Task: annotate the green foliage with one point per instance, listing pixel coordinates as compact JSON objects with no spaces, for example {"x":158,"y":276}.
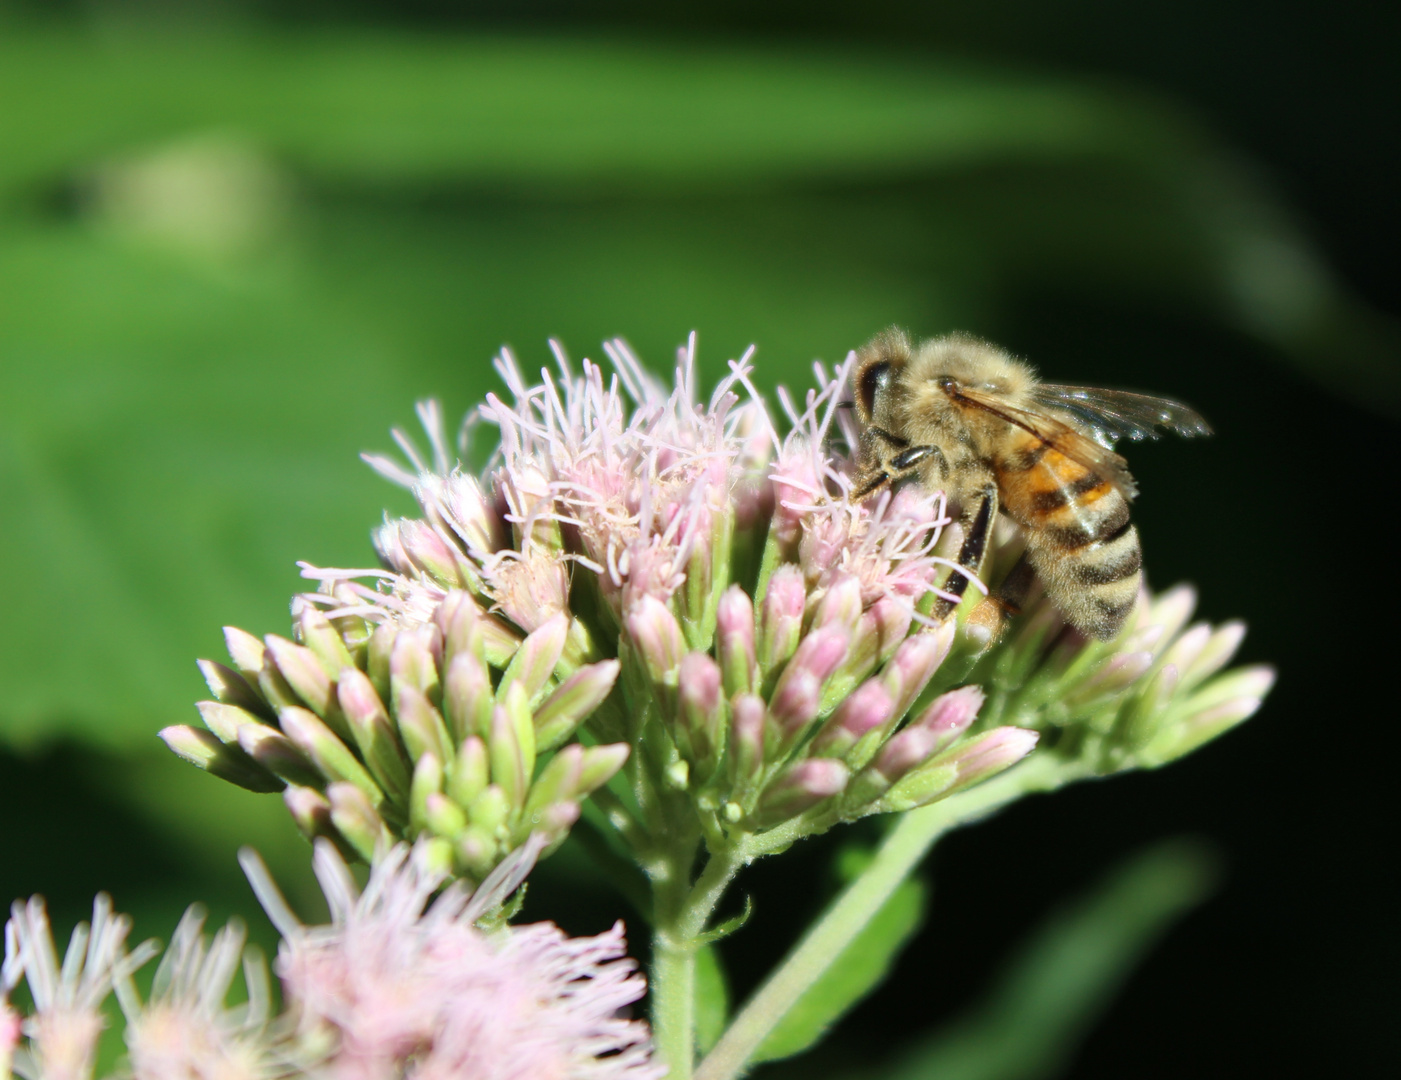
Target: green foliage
{"x":1060,"y":982}
{"x":857,"y":971}
{"x":712,"y":997}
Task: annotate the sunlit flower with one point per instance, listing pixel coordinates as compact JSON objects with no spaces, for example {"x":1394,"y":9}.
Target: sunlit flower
{"x":398,"y":986}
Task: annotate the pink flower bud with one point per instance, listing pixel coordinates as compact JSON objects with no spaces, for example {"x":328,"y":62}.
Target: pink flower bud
{"x":798,"y":694}
{"x":866,"y":709}
{"x":535,"y":660}
{"x":1216,"y":653}
{"x":912,"y":666}
{"x":749,"y":718}
{"x":656,"y":635}
{"x":799,"y":789}
{"x":781,"y":616}
{"x":990,"y":753}
{"x":840,"y":604}
{"x":700,"y":732}
{"x":575,"y":700}
{"x":951,"y":714}
{"x":734,"y":639}
{"x":905,"y":750}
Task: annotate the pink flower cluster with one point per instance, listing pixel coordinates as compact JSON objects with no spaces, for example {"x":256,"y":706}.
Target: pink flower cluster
{"x":763,"y":619}
{"x":395,"y":988}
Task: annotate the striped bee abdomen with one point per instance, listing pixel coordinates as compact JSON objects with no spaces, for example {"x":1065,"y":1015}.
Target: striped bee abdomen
{"x":1079,"y":539}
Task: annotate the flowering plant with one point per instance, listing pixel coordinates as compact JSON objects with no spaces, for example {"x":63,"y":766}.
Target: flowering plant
{"x":663,"y":625}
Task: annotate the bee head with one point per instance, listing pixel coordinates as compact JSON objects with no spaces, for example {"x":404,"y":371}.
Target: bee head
{"x":878,"y":366}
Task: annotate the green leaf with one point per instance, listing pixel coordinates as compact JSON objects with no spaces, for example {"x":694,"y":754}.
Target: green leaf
{"x":855,"y":973}
{"x":1061,"y":981}
{"x":712,"y":998}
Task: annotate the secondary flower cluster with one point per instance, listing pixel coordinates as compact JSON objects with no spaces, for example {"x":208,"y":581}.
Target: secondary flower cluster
{"x":395,"y":729}
{"x":393,"y":987}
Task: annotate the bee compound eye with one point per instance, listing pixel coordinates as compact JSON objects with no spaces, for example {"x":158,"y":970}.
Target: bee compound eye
{"x":873,"y":380}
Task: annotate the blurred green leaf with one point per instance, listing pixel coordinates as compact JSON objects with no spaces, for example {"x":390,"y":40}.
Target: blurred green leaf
{"x":855,"y":973}
{"x":712,"y":998}
{"x":1060,"y":983}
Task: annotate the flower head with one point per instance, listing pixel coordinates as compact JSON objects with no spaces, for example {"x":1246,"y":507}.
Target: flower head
{"x":704,"y":594}
{"x":61,"y":1035}
{"x":403,"y":985}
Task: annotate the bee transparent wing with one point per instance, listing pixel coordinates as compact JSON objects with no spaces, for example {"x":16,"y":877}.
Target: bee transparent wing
{"x":1059,"y":436}
{"x":1121,"y":414}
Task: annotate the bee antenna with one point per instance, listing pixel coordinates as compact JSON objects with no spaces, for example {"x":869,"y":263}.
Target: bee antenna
{"x":846,"y":404}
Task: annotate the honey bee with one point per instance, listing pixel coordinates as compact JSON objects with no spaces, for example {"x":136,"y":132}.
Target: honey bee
{"x":959,"y":415}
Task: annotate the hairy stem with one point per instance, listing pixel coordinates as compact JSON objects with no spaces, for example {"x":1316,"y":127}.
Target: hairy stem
{"x":682,"y":910}
{"x":900,"y":853}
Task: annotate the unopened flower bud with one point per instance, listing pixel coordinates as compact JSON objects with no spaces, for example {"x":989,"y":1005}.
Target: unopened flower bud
{"x":230,"y":763}
{"x":311,"y":811}
{"x":840,"y":604}
{"x":555,"y":822}
{"x":799,"y":789}
{"x":990,"y":753}
{"x":303,"y":672}
{"x":457,"y":617}
{"x":315,"y":632}
{"x":573,"y":702}
{"x":508,"y":770}
{"x":272,"y":750}
{"x":421,"y":726}
{"x":414,"y":662}
{"x":781,"y":616}
{"x":231,"y":688}
{"x":913,"y":664}
{"x":374,"y":733}
{"x":950,"y":715}
{"x":734,"y":634}
{"x":356,"y":820}
{"x":701,"y":729}
{"x":866,"y":709}
{"x":427,"y":780}
{"x":657,"y":637}
{"x":601,"y":764}
{"x":468,"y":696}
{"x":490,"y":810}
{"x":443,"y":816}
{"x":1121,"y":670}
{"x":748,"y":721}
{"x":330,"y":756}
{"x":1172,"y":609}
{"x":246,"y":651}
{"x":471,"y":772}
{"x":1215,"y":654}
{"x":557,"y":781}
{"x":798,"y":693}
{"x":537,"y":656}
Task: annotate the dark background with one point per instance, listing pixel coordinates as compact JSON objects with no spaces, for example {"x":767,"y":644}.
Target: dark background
{"x":1280,"y":519}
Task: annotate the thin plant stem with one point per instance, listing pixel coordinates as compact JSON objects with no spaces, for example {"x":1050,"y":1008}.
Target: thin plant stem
{"x":682,"y":912}
{"x":899,"y":854}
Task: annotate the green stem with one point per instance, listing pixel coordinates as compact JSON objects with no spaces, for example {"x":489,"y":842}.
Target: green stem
{"x":900,"y":853}
{"x":682,"y":912}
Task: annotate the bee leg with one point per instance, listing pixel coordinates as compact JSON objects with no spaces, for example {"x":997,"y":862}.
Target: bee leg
{"x":1016,"y":586}
{"x":870,"y":486}
{"x":908,"y":459}
{"x":978,"y":521}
